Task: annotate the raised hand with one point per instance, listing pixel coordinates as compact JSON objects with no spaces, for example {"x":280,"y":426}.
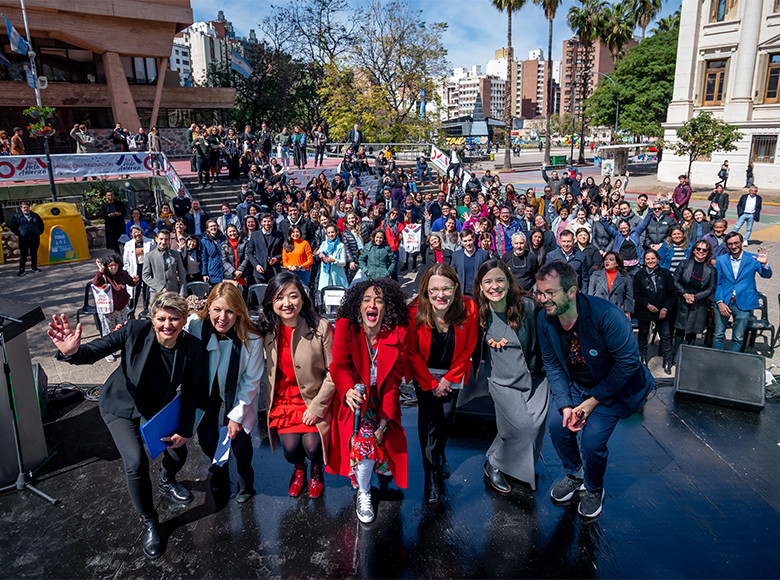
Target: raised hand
{"x":763,"y":255}
{"x":64,"y":338}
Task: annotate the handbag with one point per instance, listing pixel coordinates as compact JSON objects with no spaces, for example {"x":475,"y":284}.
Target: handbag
{"x":104,"y":299}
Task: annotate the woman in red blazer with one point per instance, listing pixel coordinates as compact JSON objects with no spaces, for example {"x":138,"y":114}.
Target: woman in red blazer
{"x":369,"y":348}
{"x":443,"y":329}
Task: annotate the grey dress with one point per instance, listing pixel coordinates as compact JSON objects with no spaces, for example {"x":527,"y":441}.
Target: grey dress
{"x":521,"y":396}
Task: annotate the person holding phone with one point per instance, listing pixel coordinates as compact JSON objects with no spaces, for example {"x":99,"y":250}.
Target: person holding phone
{"x":442,"y":336}
{"x":157,"y":359}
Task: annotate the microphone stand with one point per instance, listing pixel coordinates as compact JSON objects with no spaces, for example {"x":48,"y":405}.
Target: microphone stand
{"x":22,"y":482}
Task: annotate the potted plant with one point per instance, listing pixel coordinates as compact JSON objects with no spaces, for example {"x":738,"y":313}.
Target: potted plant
{"x":41,"y":128}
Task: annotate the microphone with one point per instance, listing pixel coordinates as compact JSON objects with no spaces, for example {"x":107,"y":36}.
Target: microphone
{"x":360,"y":388}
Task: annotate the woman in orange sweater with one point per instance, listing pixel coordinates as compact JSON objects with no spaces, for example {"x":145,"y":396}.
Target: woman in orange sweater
{"x":296,"y":254}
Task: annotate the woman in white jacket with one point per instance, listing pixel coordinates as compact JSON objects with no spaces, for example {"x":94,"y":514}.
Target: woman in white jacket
{"x":233,"y":348}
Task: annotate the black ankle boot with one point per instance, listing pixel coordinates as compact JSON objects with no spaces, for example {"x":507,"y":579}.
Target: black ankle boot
{"x":173,"y":489}
{"x":150,"y":537}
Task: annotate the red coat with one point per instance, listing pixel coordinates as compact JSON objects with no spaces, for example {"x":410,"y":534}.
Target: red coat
{"x":420,"y":348}
{"x":351,"y":365}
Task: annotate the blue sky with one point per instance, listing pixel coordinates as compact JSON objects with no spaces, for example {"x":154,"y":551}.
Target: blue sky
{"x":476,"y":29}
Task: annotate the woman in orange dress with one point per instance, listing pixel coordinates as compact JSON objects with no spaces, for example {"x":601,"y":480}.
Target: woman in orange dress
{"x":298,"y":346}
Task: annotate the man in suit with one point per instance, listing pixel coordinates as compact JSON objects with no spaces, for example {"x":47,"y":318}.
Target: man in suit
{"x":164,"y":269}
{"x":526,"y":222}
{"x":736,"y":293}
{"x":355,"y":138}
{"x":196,"y":220}
{"x":592,"y":363}
{"x":467,"y":260}
{"x":567,"y":252}
{"x":265,"y":250}
{"x":181,"y":204}
{"x":748,"y":211}
{"x":113,"y":213}
{"x":27,"y":226}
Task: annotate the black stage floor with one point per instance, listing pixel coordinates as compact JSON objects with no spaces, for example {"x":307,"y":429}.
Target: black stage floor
{"x":693,"y":491}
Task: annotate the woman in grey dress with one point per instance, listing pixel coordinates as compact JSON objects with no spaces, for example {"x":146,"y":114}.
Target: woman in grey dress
{"x":516,"y":378}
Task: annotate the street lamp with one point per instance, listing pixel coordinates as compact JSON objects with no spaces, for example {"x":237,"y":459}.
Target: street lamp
{"x":617,"y":101}
{"x":575,"y":55}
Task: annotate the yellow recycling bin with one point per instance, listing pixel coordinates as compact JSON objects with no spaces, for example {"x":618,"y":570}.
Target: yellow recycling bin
{"x":64,"y":237}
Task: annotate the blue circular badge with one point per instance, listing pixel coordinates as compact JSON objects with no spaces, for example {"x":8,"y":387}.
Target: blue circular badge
{"x":593,"y":352}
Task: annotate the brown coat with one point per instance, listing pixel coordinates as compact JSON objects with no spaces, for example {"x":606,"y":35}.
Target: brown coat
{"x":311,"y":355}
{"x":17,"y":145}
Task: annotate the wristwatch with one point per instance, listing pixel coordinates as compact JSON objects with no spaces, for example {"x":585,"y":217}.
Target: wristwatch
{"x":383,"y":428}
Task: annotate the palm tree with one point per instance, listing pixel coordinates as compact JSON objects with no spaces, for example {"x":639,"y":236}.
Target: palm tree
{"x":617,"y":28}
{"x":644,"y":11}
{"x":550,"y":7}
{"x":585,"y":21}
{"x":671,"y":22}
{"x":508,"y":6}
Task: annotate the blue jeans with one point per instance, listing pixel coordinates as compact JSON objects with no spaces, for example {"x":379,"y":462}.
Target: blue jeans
{"x":737,"y":329}
{"x":284,"y":156}
{"x":745,"y":218}
{"x":304,"y":275}
{"x":597,"y":431}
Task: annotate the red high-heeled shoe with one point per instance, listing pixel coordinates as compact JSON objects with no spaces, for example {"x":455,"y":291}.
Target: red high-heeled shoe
{"x":317,"y":482}
{"x":297,"y":480}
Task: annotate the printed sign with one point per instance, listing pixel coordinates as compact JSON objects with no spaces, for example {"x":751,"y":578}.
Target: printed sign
{"x":439,"y":158}
{"x":60,"y":248}
{"x":412,"y":236}
{"x":25,"y":167}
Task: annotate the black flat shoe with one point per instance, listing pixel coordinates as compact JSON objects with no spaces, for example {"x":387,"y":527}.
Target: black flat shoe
{"x":176,"y":491}
{"x":496,"y":478}
{"x":150,"y":538}
{"x":668,"y":368}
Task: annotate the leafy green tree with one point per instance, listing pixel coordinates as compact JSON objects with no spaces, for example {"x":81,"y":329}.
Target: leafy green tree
{"x":395,"y":58}
{"x":645,"y":81}
{"x":704,"y":135}
{"x":550,"y":7}
{"x":644,"y":11}
{"x":508,"y":6}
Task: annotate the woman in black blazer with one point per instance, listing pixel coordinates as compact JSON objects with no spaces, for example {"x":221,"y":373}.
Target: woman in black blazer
{"x":156,"y":358}
{"x":654,"y":298}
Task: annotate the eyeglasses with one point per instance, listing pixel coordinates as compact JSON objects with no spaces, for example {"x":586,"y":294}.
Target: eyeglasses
{"x":547,"y":294}
{"x":446,"y":291}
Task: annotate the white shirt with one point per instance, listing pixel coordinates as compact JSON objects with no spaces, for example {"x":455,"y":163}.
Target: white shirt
{"x":735,"y":263}
{"x":750,"y":204}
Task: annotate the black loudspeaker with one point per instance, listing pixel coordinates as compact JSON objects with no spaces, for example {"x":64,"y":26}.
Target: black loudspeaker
{"x":721,"y":377}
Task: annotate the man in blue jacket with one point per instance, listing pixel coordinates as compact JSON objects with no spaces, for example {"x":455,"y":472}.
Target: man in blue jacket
{"x":748,"y":211}
{"x":592,"y":363}
{"x":736,"y":293}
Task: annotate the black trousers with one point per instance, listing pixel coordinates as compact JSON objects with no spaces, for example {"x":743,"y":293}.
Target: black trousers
{"x":127,"y":437}
{"x":434,"y":417}
{"x":203,"y":170}
{"x":28,"y":246}
{"x":662,"y":327}
{"x":240,"y":447}
{"x":140,"y":294}
{"x":319,"y":152}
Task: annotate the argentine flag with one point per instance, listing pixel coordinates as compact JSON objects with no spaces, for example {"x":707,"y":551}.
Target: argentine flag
{"x":18,"y":44}
{"x":239,"y":64}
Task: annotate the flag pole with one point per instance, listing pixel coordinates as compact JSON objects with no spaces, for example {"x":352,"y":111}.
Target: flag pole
{"x":31,"y":56}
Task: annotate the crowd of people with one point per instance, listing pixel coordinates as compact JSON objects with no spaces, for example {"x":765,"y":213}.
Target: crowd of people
{"x":543,"y":288}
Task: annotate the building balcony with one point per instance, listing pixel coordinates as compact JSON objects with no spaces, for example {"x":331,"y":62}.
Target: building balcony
{"x":20,"y":95}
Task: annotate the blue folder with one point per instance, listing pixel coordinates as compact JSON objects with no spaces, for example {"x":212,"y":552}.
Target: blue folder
{"x":163,"y":424}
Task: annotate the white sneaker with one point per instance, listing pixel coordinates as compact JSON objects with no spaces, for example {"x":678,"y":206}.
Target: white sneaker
{"x":745,"y":244}
{"x":110,"y":358}
{"x":364,"y":507}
